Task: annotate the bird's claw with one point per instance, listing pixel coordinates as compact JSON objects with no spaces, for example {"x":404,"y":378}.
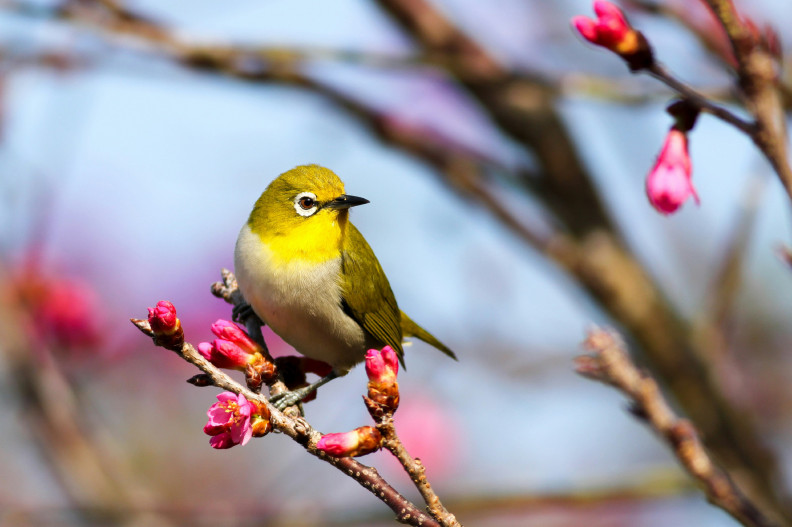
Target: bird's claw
{"x":286,"y":399}
{"x":241,"y":312}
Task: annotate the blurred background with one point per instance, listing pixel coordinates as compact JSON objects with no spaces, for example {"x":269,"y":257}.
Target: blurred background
{"x":135,"y":138}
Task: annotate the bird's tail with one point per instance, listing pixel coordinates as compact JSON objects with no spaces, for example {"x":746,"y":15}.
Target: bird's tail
{"x":411,"y":329}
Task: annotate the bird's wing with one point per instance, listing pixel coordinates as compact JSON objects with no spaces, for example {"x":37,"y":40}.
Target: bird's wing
{"x":366,"y":294}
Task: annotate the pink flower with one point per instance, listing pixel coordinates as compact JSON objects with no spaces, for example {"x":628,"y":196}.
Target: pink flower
{"x":357,"y":442}
{"x":669,"y":183}
{"x":68,"y":314}
{"x":382,"y":366}
{"x":610,"y":30}
{"x":225,"y":354}
{"x":230,"y":421}
{"x":231,"y":332}
{"x":162,"y":318}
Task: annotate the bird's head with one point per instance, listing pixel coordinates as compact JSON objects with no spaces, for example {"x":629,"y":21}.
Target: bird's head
{"x":307,"y":205}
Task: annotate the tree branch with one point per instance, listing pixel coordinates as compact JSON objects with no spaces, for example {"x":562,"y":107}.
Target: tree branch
{"x":610,"y":364}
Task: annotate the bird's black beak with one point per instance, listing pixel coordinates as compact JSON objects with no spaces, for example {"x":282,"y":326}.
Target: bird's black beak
{"x":344,"y":201}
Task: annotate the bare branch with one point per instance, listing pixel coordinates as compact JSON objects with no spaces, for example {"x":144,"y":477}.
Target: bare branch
{"x":610,"y":364}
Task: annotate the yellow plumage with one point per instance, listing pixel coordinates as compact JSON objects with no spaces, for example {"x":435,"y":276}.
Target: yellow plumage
{"x":310,"y":275}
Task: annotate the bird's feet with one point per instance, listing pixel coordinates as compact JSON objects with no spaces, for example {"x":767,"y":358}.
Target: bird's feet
{"x":240,"y":313}
{"x":285,"y":399}
{"x":292,"y":397}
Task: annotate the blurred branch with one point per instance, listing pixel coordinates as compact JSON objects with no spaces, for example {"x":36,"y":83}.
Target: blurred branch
{"x":758,"y":82}
{"x":610,"y":364}
{"x":93,"y":481}
{"x":662,"y":74}
{"x":728,"y":276}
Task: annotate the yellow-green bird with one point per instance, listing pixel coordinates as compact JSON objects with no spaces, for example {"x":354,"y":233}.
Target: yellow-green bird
{"x":309,"y":274}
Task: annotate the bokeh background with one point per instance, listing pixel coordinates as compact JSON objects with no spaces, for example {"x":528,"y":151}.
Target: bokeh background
{"x":126,"y":173}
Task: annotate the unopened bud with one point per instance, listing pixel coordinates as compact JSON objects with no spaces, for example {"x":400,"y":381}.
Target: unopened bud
{"x":165,"y":326}
{"x":231,"y":332}
{"x":358,"y":442}
{"x":382,"y":367}
{"x":669,"y":183}
{"x":612,"y":31}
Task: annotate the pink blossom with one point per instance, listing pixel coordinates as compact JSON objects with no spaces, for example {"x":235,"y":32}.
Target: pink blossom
{"x":357,"y":442}
{"x":382,"y":366}
{"x":610,"y":30}
{"x":230,"y":421}
{"x":225,"y":354}
{"x":231,"y":332}
{"x":162,"y":318}
{"x":69,"y":314}
{"x":669,"y":183}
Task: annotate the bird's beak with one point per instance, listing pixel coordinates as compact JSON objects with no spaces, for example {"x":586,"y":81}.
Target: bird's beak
{"x":344,"y":201}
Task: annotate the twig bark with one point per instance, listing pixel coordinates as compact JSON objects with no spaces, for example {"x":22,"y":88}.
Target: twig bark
{"x":610,"y":364}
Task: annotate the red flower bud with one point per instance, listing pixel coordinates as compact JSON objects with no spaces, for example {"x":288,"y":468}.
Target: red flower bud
{"x":162,"y":318}
{"x":382,"y":366}
{"x":225,"y":354}
{"x":612,"y":31}
{"x":231,"y":332}
{"x":669,"y":183}
{"x":358,"y":442}
{"x":164,"y":325}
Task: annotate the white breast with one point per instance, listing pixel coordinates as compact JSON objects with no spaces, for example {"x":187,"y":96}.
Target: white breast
{"x":301,"y":302}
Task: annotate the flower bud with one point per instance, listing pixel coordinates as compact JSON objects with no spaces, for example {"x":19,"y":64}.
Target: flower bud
{"x":231,"y":332}
{"x":612,"y":31}
{"x":260,"y":421}
{"x":162,"y":318}
{"x":669,"y":183}
{"x":224,"y":354}
{"x":382,"y":368}
{"x":358,"y":442}
{"x":165,"y":326}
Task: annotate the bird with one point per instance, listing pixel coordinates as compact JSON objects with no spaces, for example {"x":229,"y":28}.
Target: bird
{"x":309,"y":274}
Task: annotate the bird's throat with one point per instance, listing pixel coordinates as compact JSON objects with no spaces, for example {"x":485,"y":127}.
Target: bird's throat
{"x":314,"y":241}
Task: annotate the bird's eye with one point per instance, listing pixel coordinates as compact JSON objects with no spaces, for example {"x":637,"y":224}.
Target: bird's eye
{"x":306,"y":203}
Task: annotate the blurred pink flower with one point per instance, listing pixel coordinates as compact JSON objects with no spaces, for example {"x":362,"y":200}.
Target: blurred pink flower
{"x":669,"y":183}
{"x":610,"y":30}
{"x":431,"y":432}
{"x":64,"y":311}
{"x":230,"y":421}
{"x":358,"y":442}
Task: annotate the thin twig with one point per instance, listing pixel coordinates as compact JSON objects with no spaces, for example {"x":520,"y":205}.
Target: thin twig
{"x":661,"y":73}
{"x":416,"y":470}
{"x":610,"y":364}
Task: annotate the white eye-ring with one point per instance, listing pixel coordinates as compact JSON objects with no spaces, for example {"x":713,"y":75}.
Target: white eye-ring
{"x":305,"y":204}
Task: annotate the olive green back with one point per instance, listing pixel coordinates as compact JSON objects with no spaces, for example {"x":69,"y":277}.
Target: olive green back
{"x":366,"y":293}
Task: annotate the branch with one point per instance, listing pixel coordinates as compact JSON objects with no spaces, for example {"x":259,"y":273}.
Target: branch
{"x":662,"y":74}
{"x":610,"y":364}
{"x":758,"y":81}
{"x":300,"y":431}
